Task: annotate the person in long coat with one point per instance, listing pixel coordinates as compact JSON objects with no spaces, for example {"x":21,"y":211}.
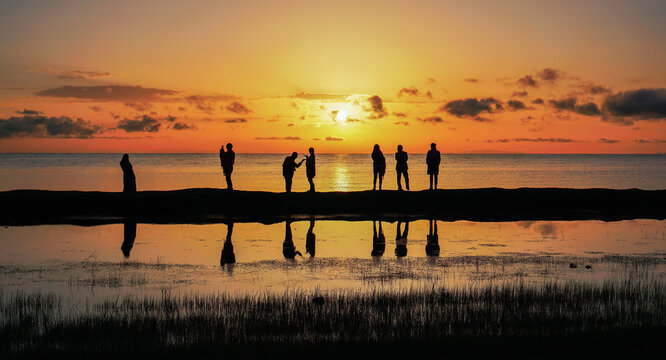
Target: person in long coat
{"x":129,"y":180}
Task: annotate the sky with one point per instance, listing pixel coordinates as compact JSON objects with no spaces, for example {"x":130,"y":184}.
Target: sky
{"x":281,"y":76}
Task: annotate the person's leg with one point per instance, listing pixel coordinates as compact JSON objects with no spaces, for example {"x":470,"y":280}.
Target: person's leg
{"x":399,"y":184}
{"x":431,"y":176}
{"x":375,"y":174}
{"x":381,"y":179}
{"x":436,"y":176}
{"x":406,"y":180}
{"x":229,"y":184}
{"x":287,"y":184}
{"x":312,"y":189}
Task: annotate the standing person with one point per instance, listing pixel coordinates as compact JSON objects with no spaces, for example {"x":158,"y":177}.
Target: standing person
{"x":228,"y":159}
{"x":129,"y":180}
{"x":401,"y":167}
{"x":288,"y":248}
{"x":432,"y":240}
{"x":378,"y":167}
{"x":433,"y":158}
{"x":289,"y":166}
{"x":310,"y":168}
{"x":401,"y":240}
{"x":378,"y":240}
{"x":310,"y":240}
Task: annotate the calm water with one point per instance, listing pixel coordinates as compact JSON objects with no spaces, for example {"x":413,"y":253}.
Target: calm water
{"x":341,"y":172}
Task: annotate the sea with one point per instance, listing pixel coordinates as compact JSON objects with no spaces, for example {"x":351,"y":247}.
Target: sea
{"x":335,"y":172}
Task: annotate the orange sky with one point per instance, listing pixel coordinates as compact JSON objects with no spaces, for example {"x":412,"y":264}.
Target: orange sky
{"x":281,"y":76}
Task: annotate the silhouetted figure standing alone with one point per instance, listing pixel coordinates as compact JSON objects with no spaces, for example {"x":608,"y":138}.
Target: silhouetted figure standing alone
{"x":432,"y":240}
{"x":310,"y":169}
{"x":288,"y":248}
{"x":289,"y":168}
{"x":378,"y":240}
{"x":129,"y":180}
{"x":378,"y":167}
{"x":227,"y":160}
{"x":401,"y":240}
{"x":401,"y":167}
{"x":228,"y":256}
{"x":129,"y":235}
{"x":433,"y":158}
{"x":310,"y":240}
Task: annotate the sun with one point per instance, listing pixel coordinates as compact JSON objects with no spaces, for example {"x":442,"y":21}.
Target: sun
{"x":341,"y":116}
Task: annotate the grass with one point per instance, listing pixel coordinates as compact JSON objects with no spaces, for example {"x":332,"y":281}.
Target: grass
{"x":502,"y":315}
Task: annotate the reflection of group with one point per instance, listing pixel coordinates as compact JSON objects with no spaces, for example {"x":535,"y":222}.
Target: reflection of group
{"x":289,"y":166}
{"x":289,"y":248}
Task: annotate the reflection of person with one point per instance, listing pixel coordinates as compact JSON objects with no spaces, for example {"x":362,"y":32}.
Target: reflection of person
{"x":129,"y":235}
{"x":378,"y":167}
{"x":228,"y":159}
{"x":288,"y":248}
{"x":378,"y":240}
{"x":401,"y":167}
{"x":310,"y":240}
{"x":433,"y":158}
{"x":401,"y":240}
{"x":432,"y":240}
{"x":129,"y":181}
{"x":228,"y":256}
{"x":289,"y":166}
{"x":310,"y":170}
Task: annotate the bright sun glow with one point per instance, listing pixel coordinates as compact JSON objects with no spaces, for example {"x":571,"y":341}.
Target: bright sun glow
{"x":341,"y":116}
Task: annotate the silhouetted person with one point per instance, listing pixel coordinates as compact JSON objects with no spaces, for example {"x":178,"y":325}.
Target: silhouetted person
{"x":129,"y":235}
{"x":288,"y":168}
{"x":378,"y":240}
{"x":433,"y":158}
{"x":401,"y":240}
{"x":432,"y":240}
{"x":310,"y":240}
{"x":228,"y":256}
{"x":228,"y":159}
{"x":378,"y":167}
{"x":401,"y":167}
{"x":310,"y":170}
{"x":288,"y":248}
{"x":129,"y":180}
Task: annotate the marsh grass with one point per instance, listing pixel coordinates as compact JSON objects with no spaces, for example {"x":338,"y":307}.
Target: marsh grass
{"x":420,"y":314}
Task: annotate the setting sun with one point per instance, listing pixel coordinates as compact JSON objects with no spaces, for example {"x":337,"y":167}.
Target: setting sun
{"x":342,"y":116}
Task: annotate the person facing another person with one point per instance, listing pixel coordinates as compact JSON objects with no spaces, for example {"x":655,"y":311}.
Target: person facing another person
{"x":289,"y":166}
{"x":433,"y":158}
{"x":401,"y":167}
{"x":378,"y":167}
{"x":129,"y":180}
{"x":227,"y":160}
{"x":310,"y":170}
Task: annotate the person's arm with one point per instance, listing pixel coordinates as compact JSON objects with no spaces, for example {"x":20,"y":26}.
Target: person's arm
{"x":299,"y":163}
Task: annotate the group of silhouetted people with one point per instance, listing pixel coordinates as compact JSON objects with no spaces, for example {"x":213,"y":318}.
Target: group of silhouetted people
{"x":289,"y":166}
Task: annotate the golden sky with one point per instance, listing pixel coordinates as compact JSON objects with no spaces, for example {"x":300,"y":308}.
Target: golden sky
{"x":281,"y":76}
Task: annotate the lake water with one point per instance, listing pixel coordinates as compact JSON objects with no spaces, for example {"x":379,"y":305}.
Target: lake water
{"x":335,"y":172}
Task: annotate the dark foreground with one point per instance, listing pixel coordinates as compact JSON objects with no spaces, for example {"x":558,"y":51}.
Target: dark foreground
{"x":211,"y":205}
{"x":570,"y":320}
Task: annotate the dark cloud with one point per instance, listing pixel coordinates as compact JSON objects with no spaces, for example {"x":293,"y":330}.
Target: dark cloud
{"x":516,"y":105}
{"x":43,"y":126}
{"x":333,"y":138}
{"x":549,"y":140}
{"x":472,"y":80}
{"x":377,"y":107}
{"x":399,"y":114}
{"x":308,"y":96}
{"x":76,"y":74}
{"x":143,"y":124}
{"x":537,"y":101}
{"x":170,"y":118}
{"x":207,"y":103}
{"x":182,"y":126}
{"x":570,"y":104}
{"x":403,"y":123}
{"x":528,"y":81}
{"x":519,"y":93}
{"x":238,"y":108}
{"x":411,"y":91}
{"x":316,"y":139}
{"x":290,"y":124}
{"x":431,"y":120}
{"x":550,"y":74}
{"x":608,"y":141}
{"x":471,"y":106}
{"x":120,"y":93}
{"x":352,"y":120}
{"x":27,"y":112}
{"x":291,"y":138}
{"x":653,"y":141}
{"x":428,"y":94}
{"x":96,"y":108}
{"x":482,"y":119}
{"x":235,"y":121}
{"x":139,"y":106}
{"x":641,"y":104}
{"x":430,"y":80}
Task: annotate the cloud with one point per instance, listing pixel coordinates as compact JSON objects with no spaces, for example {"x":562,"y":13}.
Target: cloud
{"x":96,"y":108}
{"x":528,"y":81}
{"x":516,"y":105}
{"x":519,"y":93}
{"x":608,"y":141}
{"x":27,"y":112}
{"x":549,"y":140}
{"x":120,"y":93}
{"x":308,"y":96}
{"x":550,"y":74}
{"x":238,"y":108}
{"x":471,"y":106}
{"x":472,"y":80}
{"x":139,"y":106}
{"x":653,"y":141}
{"x":430,"y":80}
{"x":183,"y":126}
{"x":76,"y":74}
{"x":570,"y":104}
{"x":628,"y":106}
{"x":412,"y":91}
{"x":291,"y":138}
{"x":482,"y":119}
{"x":400,"y":114}
{"x":537,"y":101}
{"x":42,"y":126}
{"x":333,"y":138}
{"x":206,"y":103}
{"x":431,"y":119}
{"x":235,"y":121}
{"x":403,"y":123}
{"x":143,"y":124}
{"x":377,"y":107}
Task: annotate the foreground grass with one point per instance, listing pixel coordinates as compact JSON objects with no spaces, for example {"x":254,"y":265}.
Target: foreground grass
{"x":611,"y":314}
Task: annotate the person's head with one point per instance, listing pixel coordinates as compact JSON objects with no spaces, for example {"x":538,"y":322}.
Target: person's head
{"x":375,"y":148}
{"x":294,"y":155}
{"x":125,"y":157}
{"x":399,"y":147}
{"x":311,"y":150}
{"x":229,"y":146}
{"x":433,"y":146}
